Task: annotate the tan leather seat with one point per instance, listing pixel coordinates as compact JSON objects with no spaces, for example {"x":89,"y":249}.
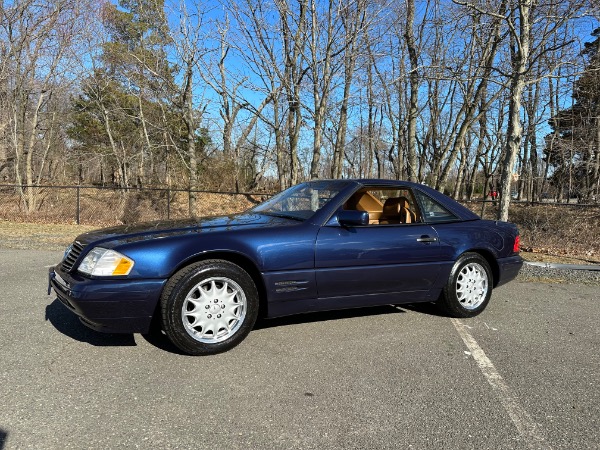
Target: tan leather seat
{"x":353,"y":202}
{"x":396,"y":210}
{"x":364,"y":201}
{"x":406,"y":205}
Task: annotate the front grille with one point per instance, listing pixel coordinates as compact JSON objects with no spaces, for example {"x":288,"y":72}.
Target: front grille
{"x":72,"y":255}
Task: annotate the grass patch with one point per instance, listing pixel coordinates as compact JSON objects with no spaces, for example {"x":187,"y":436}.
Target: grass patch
{"x":39,"y":236}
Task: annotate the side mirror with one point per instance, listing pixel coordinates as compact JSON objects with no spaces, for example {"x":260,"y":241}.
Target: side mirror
{"x":349,"y":218}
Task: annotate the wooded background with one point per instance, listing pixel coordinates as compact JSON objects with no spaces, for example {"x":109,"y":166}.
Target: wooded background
{"x":250,"y":95}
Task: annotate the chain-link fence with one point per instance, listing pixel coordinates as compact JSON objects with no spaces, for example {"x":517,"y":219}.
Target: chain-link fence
{"x":96,"y":205}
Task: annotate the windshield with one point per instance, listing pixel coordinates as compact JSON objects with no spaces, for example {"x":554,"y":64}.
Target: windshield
{"x":302,"y":201}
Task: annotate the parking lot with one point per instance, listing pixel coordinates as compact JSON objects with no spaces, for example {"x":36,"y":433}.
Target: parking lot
{"x":524,"y":374}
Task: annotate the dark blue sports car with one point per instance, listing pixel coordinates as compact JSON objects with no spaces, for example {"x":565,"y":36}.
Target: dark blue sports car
{"x":317,"y":246}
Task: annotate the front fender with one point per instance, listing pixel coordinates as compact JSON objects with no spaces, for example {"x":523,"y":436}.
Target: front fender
{"x":268,"y":250}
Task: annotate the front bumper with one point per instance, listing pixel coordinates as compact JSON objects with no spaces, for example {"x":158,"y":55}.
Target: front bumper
{"x":109,"y":305}
{"x":508,"y":269}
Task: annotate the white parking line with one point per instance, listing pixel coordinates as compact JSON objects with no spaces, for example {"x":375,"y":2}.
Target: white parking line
{"x":525,"y":425}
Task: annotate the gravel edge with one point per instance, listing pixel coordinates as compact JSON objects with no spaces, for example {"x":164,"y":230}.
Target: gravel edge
{"x":531,"y":272}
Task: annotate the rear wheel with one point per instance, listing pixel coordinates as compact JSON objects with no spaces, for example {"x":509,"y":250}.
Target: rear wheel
{"x":209,"y":307}
{"x":469,"y":286}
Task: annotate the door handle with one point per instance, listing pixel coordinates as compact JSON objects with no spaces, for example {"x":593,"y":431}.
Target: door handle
{"x":426,"y":238}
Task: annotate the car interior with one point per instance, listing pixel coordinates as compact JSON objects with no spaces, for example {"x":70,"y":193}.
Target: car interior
{"x":385,"y":206}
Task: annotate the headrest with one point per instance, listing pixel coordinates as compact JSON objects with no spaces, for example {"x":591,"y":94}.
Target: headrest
{"x":404,"y":202}
{"x":352,"y":202}
{"x":392,"y":206}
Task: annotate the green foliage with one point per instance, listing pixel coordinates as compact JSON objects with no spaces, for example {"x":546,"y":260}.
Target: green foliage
{"x":103,"y":100}
{"x":136,"y":53}
{"x":572,"y":147}
{"x":130,"y":110}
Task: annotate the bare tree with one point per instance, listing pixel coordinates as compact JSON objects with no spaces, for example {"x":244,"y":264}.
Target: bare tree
{"x":528,"y":22}
{"x":353,"y":22}
{"x":38,"y":52}
{"x":411,"y":46}
{"x":188,"y":40}
{"x":232,"y":90}
{"x":520,"y":60}
{"x":323,"y":48}
{"x":292,"y":89}
{"x":472,"y":84}
{"x":273,"y":52}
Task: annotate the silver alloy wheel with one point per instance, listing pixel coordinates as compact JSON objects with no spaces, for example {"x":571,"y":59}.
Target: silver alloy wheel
{"x":472,"y":286}
{"x":214,"y":310}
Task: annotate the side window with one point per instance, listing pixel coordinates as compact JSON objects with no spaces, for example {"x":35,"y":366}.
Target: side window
{"x":386,"y":206}
{"x":432,"y":211}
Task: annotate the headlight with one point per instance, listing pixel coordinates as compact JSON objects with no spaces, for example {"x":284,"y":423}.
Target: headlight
{"x":102,"y":262}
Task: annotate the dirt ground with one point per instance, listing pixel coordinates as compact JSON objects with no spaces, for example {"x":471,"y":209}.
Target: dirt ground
{"x":39,"y":236}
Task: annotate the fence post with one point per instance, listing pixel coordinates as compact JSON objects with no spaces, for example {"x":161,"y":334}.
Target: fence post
{"x":78,"y":203}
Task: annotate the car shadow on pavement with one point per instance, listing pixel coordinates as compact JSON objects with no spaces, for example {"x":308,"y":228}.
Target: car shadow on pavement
{"x":326,"y":315}
{"x":431,"y":309}
{"x":68,"y":324}
{"x":160,"y":340}
{"x":3,"y":437}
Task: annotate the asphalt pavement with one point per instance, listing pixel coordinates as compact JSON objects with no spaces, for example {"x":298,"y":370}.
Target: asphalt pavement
{"x":524,"y":374}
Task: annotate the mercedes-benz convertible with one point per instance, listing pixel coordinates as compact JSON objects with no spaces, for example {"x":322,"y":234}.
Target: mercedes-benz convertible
{"x":320,"y":245}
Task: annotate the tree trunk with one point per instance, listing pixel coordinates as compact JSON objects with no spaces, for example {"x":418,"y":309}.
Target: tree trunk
{"x":113,"y":145}
{"x":321,"y":83}
{"x":596,"y":163}
{"x":460,"y":175}
{"x":411,"y":144}
{"x":279,"y":146}
{"x":340,"y":140}
{"x":513,"y":141}
{"x":188,"y":117}
{"x":31,"y":193}
{"x":147,"y":148}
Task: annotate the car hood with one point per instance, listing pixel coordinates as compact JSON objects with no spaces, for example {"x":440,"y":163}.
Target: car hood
{"x":163,"y":228}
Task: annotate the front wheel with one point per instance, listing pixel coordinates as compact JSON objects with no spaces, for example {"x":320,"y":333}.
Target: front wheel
{"x":209,"y":307}
{"x":469,"y":286}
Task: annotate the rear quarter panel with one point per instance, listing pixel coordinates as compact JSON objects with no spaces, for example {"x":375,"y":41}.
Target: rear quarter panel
{"x":460,"y":237}
{"x":493,"y":239}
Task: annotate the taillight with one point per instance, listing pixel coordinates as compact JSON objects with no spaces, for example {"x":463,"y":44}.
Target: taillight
{"x":516,"y":246}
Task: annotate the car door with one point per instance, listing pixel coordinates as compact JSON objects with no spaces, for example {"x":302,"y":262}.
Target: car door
{"x":376,"y":263}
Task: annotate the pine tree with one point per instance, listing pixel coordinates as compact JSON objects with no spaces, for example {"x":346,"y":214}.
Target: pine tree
{"x":572,"y":149}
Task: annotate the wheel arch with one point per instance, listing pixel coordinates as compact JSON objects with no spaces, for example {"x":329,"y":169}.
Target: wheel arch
{"x":491,"y":260}
{"x":233,"y":257}
{"x":245,"y":263}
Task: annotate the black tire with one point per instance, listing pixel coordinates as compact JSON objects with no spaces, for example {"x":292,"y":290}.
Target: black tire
{"x":469,"y":286}
{"x":189,"y":311}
